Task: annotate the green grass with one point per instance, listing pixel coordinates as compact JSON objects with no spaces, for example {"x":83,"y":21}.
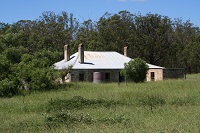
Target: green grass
{"x":164,"y":106}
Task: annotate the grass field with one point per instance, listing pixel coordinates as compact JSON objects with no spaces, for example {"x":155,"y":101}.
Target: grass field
{"x":165,"y":106}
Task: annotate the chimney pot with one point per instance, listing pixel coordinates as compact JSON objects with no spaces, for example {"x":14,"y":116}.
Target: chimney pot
{"x":126,"y":51}
{"x":81,"y":53}
{"x":66,"y":52}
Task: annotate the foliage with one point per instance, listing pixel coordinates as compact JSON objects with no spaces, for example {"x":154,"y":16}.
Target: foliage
{"x":135,"y":70}
{"x":4,"y":67}
{"x":155,"y":38}
{"x":28,"y":48}
{"x":35,"y":70}
{"x":64,"y":72}
{"x":9,"y":88}
{"x":26,"y":72}
{"x":13,"y":55}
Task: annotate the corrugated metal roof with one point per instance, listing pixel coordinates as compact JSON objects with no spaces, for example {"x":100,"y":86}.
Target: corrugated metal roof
{"x":97,"y":60}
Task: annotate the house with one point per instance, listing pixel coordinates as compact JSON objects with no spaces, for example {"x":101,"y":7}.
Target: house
{"x":100,"y":66}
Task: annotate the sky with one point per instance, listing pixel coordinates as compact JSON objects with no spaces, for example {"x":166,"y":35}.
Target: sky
{"x":14,"y":10}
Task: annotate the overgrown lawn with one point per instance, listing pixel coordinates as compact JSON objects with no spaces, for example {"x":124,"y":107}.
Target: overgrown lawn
{"x":165,"y":106}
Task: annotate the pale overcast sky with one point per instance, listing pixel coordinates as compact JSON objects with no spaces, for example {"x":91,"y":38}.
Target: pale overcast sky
{"x":15,"y":10}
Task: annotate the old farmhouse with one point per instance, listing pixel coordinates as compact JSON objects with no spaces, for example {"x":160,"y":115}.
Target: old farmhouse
{"x":100,"y":66}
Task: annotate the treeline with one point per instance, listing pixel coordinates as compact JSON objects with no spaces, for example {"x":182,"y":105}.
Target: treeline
{"x":29,"y":48}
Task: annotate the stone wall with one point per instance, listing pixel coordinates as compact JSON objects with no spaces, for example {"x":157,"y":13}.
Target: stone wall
{"x":87,"y":75}
{"x":111,"y":75}
{"x":154,"y":75}
{"x":114,"y":75}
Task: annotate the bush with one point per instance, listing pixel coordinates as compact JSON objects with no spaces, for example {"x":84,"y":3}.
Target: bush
{"x":8,"y":88}
{"x":135,"y":70}
{"x":41,"y":79}
{"x":21,"y":71}
{"x":36,"y":73}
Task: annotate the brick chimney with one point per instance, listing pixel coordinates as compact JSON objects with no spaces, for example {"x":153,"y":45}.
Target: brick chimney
{"x":126,"y":51}
{"x":66,"y":52}
{"x":81,"y":53}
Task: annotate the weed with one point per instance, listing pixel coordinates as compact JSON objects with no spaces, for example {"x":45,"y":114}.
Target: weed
{"x":67,"y":118}
{"x":114,"y":119}
{"x":60,"y":112}
{"x":152,"y":101}
{"x":183,"y":101}
{"x":78,"y":102}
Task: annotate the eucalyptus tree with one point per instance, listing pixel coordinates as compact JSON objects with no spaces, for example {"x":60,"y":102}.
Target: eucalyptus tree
{"x":153,"y":38}
{"x":54,"y":31}
{"x":116,"y":30}
{"x":88,"y":35}
{"x":3,"y":28}
{"x":192,"y":51}
{"x":185,"y":37}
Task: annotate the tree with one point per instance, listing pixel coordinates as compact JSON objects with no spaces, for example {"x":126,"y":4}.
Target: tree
{"x":153,"y":38}
{"x":135,"y":70}
{"x":192,"y":51}
{"x":4,"y":67}
{"x":13,"y":55}
{"x":116,"y":30}
{"x":184,"y":38}
{"x":35,"y":71}
{"x":53,"y":31}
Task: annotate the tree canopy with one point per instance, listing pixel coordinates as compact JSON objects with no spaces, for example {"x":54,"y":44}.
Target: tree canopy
{"x":154,"y":38}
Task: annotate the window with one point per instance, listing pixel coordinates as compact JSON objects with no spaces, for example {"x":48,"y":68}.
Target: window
{"x":152,"y":76}
{"x":81,"y":77}
{"x":107,"y":76}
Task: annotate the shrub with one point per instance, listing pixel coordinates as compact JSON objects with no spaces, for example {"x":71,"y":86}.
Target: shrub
{"x":135,"y":70}
{"x":8,"y":88}
{"x":36,"y":73}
